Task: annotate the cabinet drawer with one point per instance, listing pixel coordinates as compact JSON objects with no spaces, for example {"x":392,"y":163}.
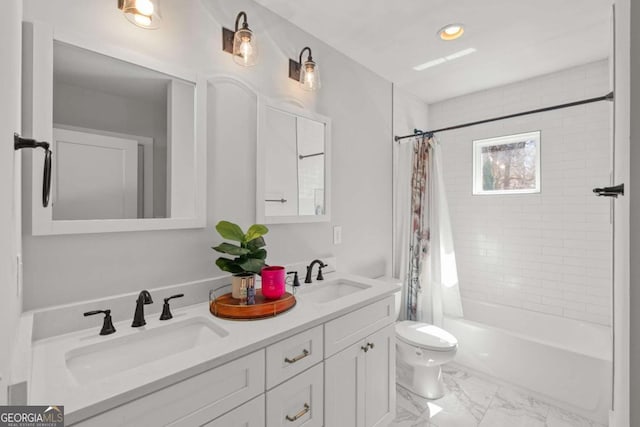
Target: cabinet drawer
{"x":354,"y":326}
{"x":193,"y":401}
{"x":251,"y":414}
{"x":293,"y":355}
{"x":298,"y":401}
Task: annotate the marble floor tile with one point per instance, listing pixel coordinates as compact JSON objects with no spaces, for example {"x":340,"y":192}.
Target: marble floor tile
{"x":560,"y":418}
{"x":477,"y":401}
{"x":405,"y":418}
{"x":411,"y":402}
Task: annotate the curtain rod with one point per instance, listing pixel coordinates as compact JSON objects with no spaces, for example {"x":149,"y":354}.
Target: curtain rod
{"x":416,"y":132}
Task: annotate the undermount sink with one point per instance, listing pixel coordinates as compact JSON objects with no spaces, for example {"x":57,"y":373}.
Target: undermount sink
{"x":104,"y":359}
{"x":330,"y":291}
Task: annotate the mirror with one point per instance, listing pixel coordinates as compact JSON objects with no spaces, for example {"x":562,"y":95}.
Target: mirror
{"x":124,"y":138}
{"x":293,"y":179}
{"x":109,"y":136}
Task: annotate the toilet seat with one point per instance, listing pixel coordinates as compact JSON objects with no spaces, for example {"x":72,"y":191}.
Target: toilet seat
{"x":425,"y":335}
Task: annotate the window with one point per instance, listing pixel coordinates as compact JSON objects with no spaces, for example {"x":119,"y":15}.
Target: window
{"x":507,"y":164}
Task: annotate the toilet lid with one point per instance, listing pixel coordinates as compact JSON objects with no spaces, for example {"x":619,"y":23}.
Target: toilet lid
{"x":425,"y":335}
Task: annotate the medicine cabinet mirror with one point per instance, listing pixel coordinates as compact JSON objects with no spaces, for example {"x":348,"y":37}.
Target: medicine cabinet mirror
{"x":293,"y":165}
{"x":127,"y":137}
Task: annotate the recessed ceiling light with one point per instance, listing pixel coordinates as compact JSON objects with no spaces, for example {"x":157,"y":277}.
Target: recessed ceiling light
{"x":451,"y":32}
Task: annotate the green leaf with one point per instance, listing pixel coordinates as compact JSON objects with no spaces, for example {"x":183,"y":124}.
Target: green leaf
{"x":230,"y":231}
{"x":226,"y":264}
{"x":231,"y":249}
{"x":253,"y":265}
{"x":255,"y":231}
{"x":255,"y":244}
{"x":259,"y":254}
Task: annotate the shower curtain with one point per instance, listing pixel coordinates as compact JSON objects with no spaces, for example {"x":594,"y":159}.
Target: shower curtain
{"x":424,"y":253}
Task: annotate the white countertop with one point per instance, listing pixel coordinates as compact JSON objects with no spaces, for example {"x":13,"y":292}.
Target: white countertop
{"x":51,"y":382}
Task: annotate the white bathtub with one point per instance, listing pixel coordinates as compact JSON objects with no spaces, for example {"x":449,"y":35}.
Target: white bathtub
{"x":566,"y":360}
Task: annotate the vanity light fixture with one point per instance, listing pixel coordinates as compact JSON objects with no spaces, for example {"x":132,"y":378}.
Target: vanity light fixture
{"x":141,"y":13}
{"x":451,"y":32}
{"x":241,"y":42}
{"x":305,"y":72}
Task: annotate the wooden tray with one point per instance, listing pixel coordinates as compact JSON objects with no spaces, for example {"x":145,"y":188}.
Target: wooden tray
{"x":228,"y":307}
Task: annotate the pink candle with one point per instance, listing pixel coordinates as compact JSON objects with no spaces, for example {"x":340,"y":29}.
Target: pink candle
{"x":273,"y":282}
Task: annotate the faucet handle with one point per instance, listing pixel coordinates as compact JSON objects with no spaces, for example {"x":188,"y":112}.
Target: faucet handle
{"x":107,"y":324}
{"x":320,"y":276}
{"x":166,"y":311}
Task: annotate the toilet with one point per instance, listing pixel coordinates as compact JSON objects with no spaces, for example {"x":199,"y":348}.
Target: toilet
{"x":421,"y":350}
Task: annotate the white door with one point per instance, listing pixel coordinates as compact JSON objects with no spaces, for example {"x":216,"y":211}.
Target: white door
{"x":344,"y":384}
{"x":380,"y":378}
{"x":95,"y":176}
{"x":621,"y":213}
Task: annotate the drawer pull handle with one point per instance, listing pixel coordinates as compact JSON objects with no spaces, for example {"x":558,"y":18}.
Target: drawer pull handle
{"x":304,"y":354}
{"x":370,"y":345}
{"x":299,"y":414}
{"x":365,"y":348}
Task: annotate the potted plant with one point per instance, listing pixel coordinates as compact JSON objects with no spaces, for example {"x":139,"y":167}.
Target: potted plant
{"x":249,"y":252}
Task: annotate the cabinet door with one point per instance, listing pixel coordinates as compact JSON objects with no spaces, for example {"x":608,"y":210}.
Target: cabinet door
{"x":344,"y":387}
{"x":298,"y":401}
{"x":379,"y":378}
{"x":251,"y":414}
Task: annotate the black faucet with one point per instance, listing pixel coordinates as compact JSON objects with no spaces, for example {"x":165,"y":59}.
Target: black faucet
{"x":138,"y":318}
{"x":307,"y":278}
{"x":166,"y":311}
{"x":107,"y":324}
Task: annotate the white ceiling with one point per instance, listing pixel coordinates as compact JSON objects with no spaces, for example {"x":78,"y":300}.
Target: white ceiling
{"x":515,"y":39}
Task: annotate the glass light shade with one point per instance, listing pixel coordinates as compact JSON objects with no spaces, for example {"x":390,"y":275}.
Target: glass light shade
{"x":310,"y":76}
{"x":141,"y":13}
{"x":245,"y":49}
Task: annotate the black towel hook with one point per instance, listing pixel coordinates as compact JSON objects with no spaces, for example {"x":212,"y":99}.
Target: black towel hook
{"x":20,"y":143}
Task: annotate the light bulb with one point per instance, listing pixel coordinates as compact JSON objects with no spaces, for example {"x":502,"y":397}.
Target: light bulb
{"x":246,"y":49}
{"x":145,"y":7}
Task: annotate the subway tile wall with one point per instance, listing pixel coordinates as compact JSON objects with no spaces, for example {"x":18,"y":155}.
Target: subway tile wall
{"x":549,"y":252}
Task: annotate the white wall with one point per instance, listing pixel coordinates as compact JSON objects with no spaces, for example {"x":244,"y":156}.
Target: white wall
{"x":10,"y":36}
{"x":61,"y":269}
{"x":548,"y":252}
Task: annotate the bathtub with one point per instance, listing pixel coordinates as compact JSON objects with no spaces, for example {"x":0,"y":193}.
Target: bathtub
{"x":564,"y":360}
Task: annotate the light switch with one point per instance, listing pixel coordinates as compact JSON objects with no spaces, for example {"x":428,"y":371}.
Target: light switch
{"x":337,"y":235}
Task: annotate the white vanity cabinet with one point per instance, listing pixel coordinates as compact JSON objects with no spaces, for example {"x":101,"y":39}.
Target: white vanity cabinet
{"x":194,"y":401}
{"x":251,"y":414}
{"x":337,"y":373}
{"x":298,"y":401}
{"x":360,"y":373}
{"x":359,"y":383}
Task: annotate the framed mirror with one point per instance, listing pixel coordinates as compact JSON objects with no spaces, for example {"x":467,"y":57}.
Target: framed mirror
{"x":127,"y":135}
{"x":293,"y":165}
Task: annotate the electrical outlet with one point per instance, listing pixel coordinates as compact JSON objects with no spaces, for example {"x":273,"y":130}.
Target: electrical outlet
{"x":337,"y":235}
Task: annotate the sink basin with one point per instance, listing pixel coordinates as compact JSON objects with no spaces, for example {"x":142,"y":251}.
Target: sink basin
{"x":330,"y":291}
{"x":104,"y":359}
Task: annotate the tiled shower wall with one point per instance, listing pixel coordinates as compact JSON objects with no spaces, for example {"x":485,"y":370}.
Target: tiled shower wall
{"x":549,"y":252}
